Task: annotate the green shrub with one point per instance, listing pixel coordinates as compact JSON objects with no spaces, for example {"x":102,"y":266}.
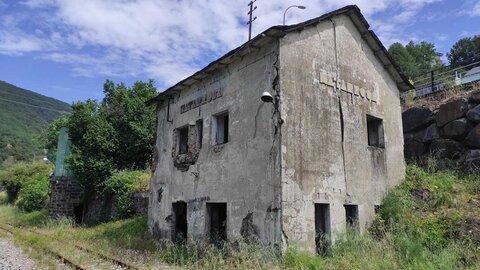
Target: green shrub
{"x":16,"y":176}
{"x":34,"y":194}
{"x":122,"y":186}
{"x":302,"y":259}
{"x":3,"y":198}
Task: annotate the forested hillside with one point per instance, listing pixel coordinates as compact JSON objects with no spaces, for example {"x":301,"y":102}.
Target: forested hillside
{"x":23,"y":115}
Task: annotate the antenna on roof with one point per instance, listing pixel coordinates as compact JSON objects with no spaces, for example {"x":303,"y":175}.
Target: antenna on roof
{"x":250,"y":20}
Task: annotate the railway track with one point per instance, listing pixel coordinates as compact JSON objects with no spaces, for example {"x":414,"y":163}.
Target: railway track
{"x":99,"y":260}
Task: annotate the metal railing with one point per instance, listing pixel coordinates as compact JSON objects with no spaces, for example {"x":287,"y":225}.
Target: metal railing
{"x":444,"y":78}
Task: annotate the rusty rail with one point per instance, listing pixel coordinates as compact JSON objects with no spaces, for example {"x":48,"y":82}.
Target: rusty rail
{"x":70,"y":262}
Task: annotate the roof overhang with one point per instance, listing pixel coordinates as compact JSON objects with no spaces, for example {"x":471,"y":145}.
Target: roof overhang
{"x":276,"y":32}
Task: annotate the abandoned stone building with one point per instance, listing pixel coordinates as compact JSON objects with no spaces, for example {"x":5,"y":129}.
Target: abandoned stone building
{"x":290,"y":138}
{"x":66,"y":194}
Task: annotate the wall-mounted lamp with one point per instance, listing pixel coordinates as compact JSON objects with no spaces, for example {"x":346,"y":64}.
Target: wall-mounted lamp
{"x":267,"y":97}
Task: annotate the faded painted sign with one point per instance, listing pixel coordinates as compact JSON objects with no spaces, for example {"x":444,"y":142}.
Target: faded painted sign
{"x":205,"y":98}
{"x":328,"y":78}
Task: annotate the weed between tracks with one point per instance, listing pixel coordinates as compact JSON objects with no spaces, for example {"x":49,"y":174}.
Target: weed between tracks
{"x":430,"y":221}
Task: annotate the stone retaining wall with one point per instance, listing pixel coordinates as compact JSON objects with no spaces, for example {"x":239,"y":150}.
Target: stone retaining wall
{"x":450,"y":133}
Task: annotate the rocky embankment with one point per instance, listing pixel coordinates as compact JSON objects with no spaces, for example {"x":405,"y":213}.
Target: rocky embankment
{"x":450,"y":133}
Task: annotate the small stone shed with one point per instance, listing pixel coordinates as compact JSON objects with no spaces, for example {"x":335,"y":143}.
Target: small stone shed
{"x":66,"y":194}
{"x":301,"y":168}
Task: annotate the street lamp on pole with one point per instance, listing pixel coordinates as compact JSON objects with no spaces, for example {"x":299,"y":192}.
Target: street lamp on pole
{"x":285,"y":13}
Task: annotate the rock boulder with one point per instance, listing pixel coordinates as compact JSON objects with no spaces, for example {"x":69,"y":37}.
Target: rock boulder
{"x":431,"y":133}
{"x":451,"y":111}
{"x":456,"y":129}
{"x":474,"y":114}
{"x":475,"y":97}
{"x":416,"y":118}
{"x":413,"y":149}
{"x":473,"y":137}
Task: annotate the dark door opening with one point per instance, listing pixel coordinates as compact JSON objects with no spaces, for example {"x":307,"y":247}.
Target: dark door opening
{"x":217,"y":223}
{"x":351,"y":214}
{"x":180,"y":228}
{"x":78,"y":213}
{"x":322,"y":227}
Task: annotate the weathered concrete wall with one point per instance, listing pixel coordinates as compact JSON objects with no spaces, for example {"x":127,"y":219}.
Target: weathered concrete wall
{"x":243,"y":173}
{"x":318,"y":165}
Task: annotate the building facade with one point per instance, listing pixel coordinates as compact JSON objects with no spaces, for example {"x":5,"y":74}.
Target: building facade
{"x":230,"y":165}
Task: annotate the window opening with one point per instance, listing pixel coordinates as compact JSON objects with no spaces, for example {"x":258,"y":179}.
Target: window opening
{"x":375,"y":131}
{"x":351,"y":212}
{"x":182,"y":134}
{"x":221,"y":126}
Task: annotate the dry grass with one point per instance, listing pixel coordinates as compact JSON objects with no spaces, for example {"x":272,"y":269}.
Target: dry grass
{"x":434,"y":101}
{"x":438,"y":231}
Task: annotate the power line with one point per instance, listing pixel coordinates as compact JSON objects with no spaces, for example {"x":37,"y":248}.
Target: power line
{"x":44,"y":108}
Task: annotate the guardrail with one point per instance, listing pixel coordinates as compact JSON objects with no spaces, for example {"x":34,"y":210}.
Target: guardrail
{"x":443,"y":79}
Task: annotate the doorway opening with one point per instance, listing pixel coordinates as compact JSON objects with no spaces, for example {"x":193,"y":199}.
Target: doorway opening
{"x":180,"y":228}
{"x":217,"y":223}
{"x":78,"y":213}
{"x":322,"y":227}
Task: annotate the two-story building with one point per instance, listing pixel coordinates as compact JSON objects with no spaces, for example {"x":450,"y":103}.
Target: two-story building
{"x":289,"y":138}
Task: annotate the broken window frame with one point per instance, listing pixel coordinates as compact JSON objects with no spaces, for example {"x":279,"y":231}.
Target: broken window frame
{"x":375,"y":132}
{"x":221,"y":128}
{"x":182,"y":139}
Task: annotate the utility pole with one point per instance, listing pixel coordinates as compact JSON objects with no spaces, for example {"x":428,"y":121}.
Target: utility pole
{"x":250,"y":20}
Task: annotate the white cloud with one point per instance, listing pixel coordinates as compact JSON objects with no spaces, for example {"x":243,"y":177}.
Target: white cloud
{"x":475,"y":10}
{"x":441,"y":37}
{"x":166,"y":40}
{"x":18,"y":43}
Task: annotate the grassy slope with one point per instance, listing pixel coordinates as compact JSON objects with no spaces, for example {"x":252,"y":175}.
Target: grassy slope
{"x":431,"y":221}
{"x":23,"y":115}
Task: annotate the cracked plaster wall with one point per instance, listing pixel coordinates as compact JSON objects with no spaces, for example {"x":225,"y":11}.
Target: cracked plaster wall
{"x":316,"y":167}
{"x":244,"y":172}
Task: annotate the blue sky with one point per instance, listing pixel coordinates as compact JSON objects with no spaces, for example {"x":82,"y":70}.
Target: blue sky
{"x":66,"y":49}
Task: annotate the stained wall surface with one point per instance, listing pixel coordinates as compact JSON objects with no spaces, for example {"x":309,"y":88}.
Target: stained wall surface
{"x":330,"y":80}
{"x":243,"y":173}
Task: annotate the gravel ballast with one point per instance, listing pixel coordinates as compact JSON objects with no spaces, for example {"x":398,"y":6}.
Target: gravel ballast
{"x":12,"y":258}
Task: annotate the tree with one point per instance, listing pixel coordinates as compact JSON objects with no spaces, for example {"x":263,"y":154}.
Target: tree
{"x":403,"y":58}
{"x":415,"y":60}
{"x":48,"y":139}
{"x":465,"y":50}
{"x":114,"y":134}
